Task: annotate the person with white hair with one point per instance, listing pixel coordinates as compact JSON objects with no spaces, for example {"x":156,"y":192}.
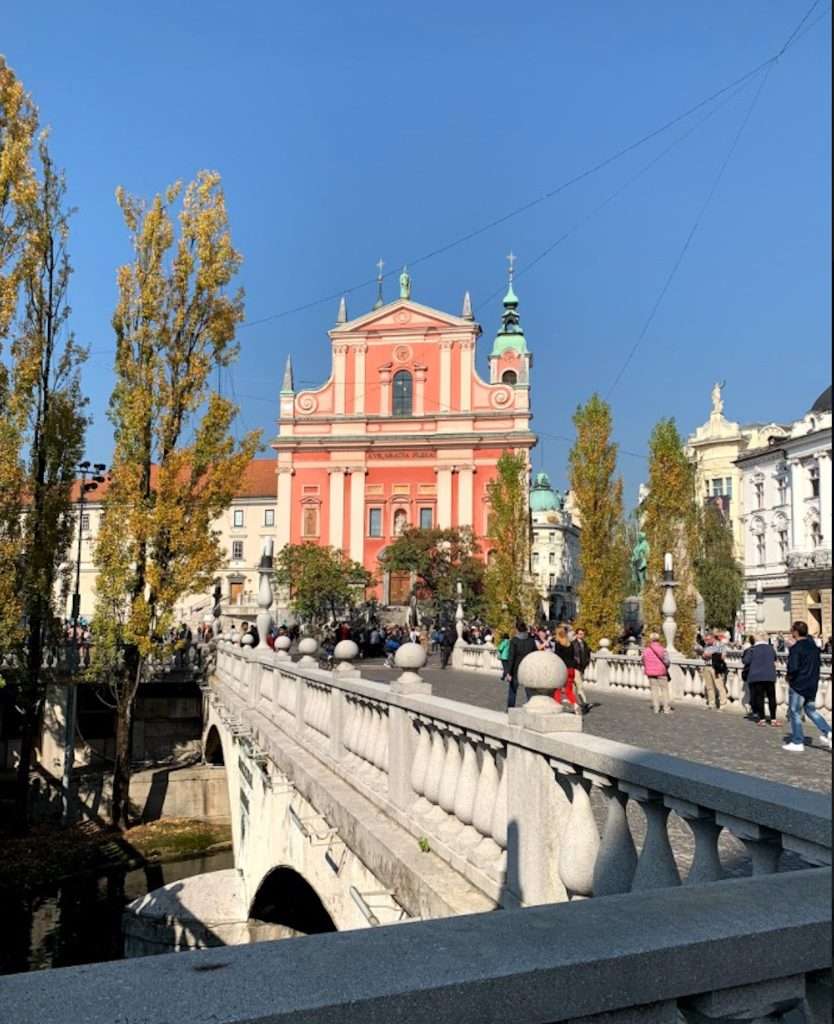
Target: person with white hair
{"x":759,"y":672}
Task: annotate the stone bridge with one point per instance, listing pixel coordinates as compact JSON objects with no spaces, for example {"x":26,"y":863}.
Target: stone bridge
{"x":358,"y":804}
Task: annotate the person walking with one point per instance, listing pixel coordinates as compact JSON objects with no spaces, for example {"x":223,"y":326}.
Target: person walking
{"x":521,"y":645}
{"x":563,"y":649}
{"x":803,"y":680}
{"x":714,"y":673}
{"x":656,"y":667}
{"x":582,"y":659}
{"x":759,"y":672}
{"x":503,"y":652}
{"x":446,"y":645}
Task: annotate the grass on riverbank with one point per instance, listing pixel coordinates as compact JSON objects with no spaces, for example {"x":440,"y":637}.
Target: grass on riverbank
{"x":49,"y":854}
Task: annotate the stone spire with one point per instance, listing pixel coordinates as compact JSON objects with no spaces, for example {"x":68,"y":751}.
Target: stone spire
{"x":341,"y":317}
{"x":511,"y":333}
{"x":467,"y":307}
{"x":380,"y":301}
{"x":287,"y":387}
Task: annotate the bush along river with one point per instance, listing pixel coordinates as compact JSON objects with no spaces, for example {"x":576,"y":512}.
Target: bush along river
{"x":76,"y":917}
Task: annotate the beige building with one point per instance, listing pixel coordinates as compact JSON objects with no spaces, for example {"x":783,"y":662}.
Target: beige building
{"x":714,"y":448}
{"x":243,"y":528}
{"x":554,"y":552}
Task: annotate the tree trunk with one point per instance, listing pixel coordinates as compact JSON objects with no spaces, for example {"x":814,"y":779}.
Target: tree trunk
{"x":120,"y":806}
{"x":24,"y":767}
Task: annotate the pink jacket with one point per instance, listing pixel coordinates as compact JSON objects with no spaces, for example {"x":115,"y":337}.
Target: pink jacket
{"x":653,"y":661}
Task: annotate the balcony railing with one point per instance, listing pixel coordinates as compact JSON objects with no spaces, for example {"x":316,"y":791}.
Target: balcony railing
{"x":820,"y":558}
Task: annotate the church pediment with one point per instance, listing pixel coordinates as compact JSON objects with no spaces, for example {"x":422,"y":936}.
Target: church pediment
{"x":402,"y":315}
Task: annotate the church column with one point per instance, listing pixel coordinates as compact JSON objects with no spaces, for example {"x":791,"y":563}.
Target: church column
{"x":385,"y":390}
{"x":445,"y":376}
{"x":465,"y":506}
{"x":824,"y":463}
{"x":444,"y":497}
{"x":467,"y":349}
{"x":339,"y":376}
{"x":283,"y":531}
{"x":359,"y":378}
{"x":357,"y":514}
{"x":337,"y":508}
{"x":420,"y":389}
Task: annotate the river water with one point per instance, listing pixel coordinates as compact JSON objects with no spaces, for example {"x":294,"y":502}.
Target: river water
{"x":80,"y":922}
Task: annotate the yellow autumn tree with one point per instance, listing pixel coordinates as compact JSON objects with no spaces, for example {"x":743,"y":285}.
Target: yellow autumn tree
{"x":599,"y":497}
{"x":670,"y":522}
{"x":176,"y":466}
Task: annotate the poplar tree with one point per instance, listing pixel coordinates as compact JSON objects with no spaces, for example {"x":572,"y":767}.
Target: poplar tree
{"x":670,"y":522}
{"x":175,"y":466}
{"x":718,"y":574}
{"x":42,"y":432}
{"x":508,"y":590}
{"x":599,"y":497}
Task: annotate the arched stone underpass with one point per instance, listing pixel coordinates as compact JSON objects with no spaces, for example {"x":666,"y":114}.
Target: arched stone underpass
{"x":285,"y":898}
{"x":213,"y":747}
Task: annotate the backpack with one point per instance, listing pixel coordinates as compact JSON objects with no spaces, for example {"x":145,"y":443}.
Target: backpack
{"x":719,"y":666}
{"x":391,"y":645}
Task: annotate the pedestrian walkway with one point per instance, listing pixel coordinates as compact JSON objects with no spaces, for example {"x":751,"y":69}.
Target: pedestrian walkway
{"x":725,"y":740}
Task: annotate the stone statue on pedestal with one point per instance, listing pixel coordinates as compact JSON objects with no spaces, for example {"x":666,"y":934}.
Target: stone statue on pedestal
{"x":405,"y":284}
{"x":640,"y":561}
{"x":717,"y":401}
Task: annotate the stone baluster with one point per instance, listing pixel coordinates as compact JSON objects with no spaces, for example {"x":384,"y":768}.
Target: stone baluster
{"x":580,"y":838}
{"x":616,"y":860}
{"x":656,"y":867}
{"x":369,"y":731}
{"x":337,"y":723}
{"x":434,"y":776}
{"x":449,"y":784}
{"x":379,"y":753}
{"x":763,"y":845}
{"x":498,"y":826}
{"x":355,"y":738}
{"x":420,"y":766}
{"x":466,"y":791}
{"x":706,"y":864}
{"x":487,"y":851}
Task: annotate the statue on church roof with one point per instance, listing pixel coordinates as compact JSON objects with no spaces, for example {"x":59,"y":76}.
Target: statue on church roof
{"x":405,"y":284}
{"x":717,"y":401}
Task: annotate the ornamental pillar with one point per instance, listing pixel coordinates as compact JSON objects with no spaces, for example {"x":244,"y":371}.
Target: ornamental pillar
{"x":359,"y":377}
{"x":444,"y":497}
{"x":420,"y":389}
{"x":797,"y":502}
{"x":385,"y":389}
{"x":824,"y":463}
{"x":339,"y":377}
{"x":466,"y":509}
{"x":357,"y":514}
{"x":467,"y":352}
{"x":445,"y":376}
{"x":336,"y":516}
{"x":283,"y":530}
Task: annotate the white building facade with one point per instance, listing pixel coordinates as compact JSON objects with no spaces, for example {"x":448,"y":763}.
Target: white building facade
{"x":786,"y":487}
{"x":554,"y":552}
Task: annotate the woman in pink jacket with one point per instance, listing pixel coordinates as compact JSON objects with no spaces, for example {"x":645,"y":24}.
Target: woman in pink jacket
{"x":656,"y":667}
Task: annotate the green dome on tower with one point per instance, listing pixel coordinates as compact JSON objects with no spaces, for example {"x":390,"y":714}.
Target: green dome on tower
{"x":542,"y":496}
{"x":511,"y":334}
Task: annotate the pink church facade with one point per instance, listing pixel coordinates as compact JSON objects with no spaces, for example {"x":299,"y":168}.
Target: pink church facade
{"x":403,"y":432}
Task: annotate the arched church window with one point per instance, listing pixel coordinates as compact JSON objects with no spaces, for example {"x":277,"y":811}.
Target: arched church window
{"x":403,"y":388}
{"x":509,"y":377}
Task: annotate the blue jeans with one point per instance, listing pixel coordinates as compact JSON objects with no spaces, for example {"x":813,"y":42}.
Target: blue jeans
{"x":512,"y":692}
{"x":796,"y":704}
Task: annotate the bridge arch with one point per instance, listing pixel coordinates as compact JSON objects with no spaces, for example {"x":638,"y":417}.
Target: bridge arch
{"x":285,"y":897}
{"x":213,"y":747}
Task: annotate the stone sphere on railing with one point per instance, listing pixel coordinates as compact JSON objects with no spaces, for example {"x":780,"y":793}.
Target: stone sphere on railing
{"x":540,"y":673}
{"x":282,"y":643}
{"x":308,"y":646}
{"x":604,"y":644}
{"x":345,"y":650}
{"x":411,"y":657}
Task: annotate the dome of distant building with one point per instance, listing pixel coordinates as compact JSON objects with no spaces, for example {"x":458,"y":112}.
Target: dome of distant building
{"x":542,"y":496}
{"x":823,"y":403}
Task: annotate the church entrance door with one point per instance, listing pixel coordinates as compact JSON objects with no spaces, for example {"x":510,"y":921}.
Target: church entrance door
{"x":399,"y":587}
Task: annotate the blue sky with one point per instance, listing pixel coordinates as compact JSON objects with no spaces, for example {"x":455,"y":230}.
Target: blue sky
{"x":348,"y":132}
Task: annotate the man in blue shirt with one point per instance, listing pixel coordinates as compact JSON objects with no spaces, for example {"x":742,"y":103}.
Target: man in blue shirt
{"x":803,"y":679}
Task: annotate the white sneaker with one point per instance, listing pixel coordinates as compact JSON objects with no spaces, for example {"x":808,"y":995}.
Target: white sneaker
{"x":825,"y":741}
{"x":795,"y":747}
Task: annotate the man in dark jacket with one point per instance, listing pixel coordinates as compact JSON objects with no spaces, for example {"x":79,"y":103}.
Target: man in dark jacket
{"x":582,"y":657}
{"x":521,"y":645}
{"x":803,"y":679}
{"x":759,"y":673}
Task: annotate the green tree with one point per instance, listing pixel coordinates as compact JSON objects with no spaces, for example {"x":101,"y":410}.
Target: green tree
{"x":323,"y":583}
{"x":508,"y":591}
{"x":718,"y":575}
{"x":670,"y":522}
{"x":439,"y":557}
{"x":599,"y":498}
{"x":176,"y":466}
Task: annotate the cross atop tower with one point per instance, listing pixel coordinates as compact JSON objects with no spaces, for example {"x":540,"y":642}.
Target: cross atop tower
{"x":380,"y":301}
{"x":511,"y":258}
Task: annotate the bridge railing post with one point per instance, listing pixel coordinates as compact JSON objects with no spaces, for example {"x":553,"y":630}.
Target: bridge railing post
{"x":336,"y":743}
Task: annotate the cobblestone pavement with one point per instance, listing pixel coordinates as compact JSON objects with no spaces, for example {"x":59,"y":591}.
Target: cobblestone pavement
{"x":725,"y":740}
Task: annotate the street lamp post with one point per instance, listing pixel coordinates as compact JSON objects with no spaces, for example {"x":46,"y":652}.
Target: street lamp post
{"x":94,"y":471}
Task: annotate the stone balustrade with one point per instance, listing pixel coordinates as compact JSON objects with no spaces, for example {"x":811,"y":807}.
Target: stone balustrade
{"x":623,"y":673}
{"x":752,"y":949}
{"x":527,"y":817}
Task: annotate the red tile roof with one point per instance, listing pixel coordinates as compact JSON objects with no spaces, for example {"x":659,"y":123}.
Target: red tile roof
{"x":259,"y":481}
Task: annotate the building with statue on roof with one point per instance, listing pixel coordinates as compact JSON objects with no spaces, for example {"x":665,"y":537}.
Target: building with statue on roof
{"x":404,"y":432}
{"x":554,"y":553}
{"x":786,"y":491}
